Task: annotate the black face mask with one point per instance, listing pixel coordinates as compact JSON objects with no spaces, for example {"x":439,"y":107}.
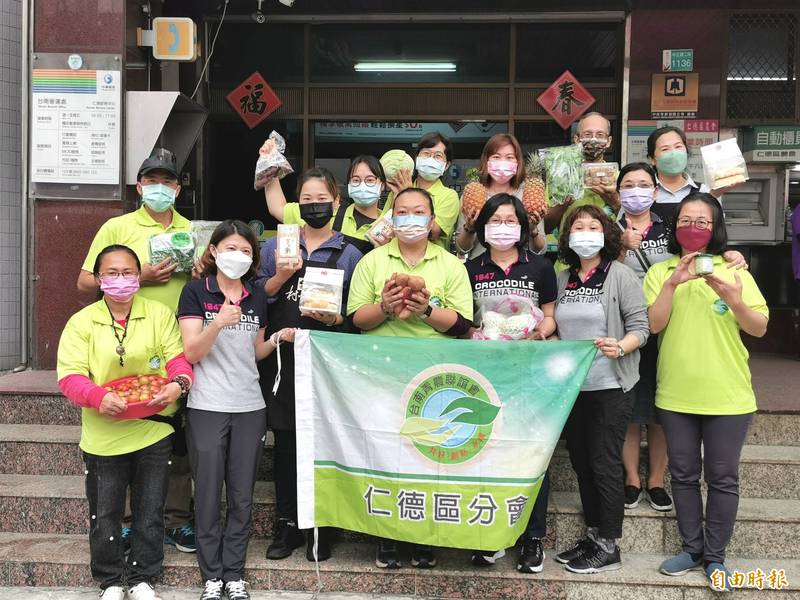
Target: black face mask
{"x":316,"y":214}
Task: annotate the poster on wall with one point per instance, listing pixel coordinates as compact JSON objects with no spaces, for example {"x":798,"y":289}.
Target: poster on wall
{"x":674,"y":95}
{"x":699,"y":132}
{"x":75,"y":126}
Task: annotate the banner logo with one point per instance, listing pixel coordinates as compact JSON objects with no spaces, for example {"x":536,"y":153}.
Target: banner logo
{"x":450,"y":413}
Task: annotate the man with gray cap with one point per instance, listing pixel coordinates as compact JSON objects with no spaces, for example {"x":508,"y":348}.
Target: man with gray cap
{"x":158,"y":186}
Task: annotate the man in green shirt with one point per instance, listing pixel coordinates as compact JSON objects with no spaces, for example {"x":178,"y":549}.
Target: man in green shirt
{"x":157,"y":184}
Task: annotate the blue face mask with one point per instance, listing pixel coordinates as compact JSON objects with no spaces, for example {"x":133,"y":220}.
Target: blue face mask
{"x":410,"y":228}
{"x":363,"y":194}
{"x":430,"y":169}
{"x":158,"y":197}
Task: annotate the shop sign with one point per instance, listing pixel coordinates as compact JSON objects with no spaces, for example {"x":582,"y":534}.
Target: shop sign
{"x":677,"y":60}
{"x":699,"y":133}
{"x":254,"y":100}
{"x":75,"y":126}
{"x":771,"y":138}
{"x":566,"y":100}
{"x":175,"y":38}
{"x":674,"y":96}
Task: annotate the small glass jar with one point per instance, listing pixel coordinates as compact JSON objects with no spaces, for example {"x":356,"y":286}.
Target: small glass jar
{"x":704,"y":264}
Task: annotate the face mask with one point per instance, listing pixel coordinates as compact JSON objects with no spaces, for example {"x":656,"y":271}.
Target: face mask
{"x":364,"y":195}
{"x":502,"y":236}
{"x":233,"y":263}
{"x":593,"y":149}
{"x":316,"y":214}
{"x":693,"y":239}
{"x":672,"y":162}
{"x":502,"y":170}
{"x":119,"y":289}
{"x":430,"y":169}
{"x":411,"y":228}
{"x":587,"y":244}
{"x":636,"y":201}
{"x":158,"y":197}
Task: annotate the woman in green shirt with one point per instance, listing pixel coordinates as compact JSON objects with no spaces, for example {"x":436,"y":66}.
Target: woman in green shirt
{"x":704,"y":394}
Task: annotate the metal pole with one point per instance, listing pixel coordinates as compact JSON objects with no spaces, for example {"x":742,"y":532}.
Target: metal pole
{"x":626,"y":90}
{"x":26,"y":237}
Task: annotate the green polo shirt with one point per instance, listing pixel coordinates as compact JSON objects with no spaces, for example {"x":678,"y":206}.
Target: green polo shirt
{"x":135,"y":230}
{"x":702,"y":362}
{"x":446,"y":206}
{"x":445,"y":278}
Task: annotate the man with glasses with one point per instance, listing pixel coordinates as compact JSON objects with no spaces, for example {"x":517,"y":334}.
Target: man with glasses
{"x":594,"y":134}
{"x":158,"y":186}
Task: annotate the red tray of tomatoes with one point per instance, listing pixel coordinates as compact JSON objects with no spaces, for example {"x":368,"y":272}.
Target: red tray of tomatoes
{"x":138,"y":390}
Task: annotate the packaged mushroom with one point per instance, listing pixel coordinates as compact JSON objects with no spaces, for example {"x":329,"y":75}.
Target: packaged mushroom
{"x":600,"y":174}
{"x":723,"y":164}
{"x":381,"y":231}
{"x":322,"y":290}
{"x":288,"y":246}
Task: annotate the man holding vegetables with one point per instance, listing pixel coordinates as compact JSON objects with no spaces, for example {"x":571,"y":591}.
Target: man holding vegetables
{"x":158,"y":186}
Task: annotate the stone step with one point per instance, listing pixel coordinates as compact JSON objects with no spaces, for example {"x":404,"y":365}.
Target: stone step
{"x":62,"y":560}
{"x":768,"y":429}
{"x":765,"y":472}
{"x":56,"y":504}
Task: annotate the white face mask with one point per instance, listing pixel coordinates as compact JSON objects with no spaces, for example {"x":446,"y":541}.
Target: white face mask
{"x":587,"y":244}
{"x":234,"y":263}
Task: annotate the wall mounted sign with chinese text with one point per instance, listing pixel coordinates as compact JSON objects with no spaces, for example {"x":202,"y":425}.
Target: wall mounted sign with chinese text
{"x":254,"y":100}
{"x":674,"y":96}
{"x":566,"y":100}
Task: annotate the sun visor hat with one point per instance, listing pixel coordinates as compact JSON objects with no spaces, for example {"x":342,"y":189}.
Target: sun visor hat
{"x":160,"y":160}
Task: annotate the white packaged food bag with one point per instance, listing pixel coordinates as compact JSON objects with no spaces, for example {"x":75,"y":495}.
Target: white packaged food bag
{"x":322,"y":290}
{"x":723,"y":164}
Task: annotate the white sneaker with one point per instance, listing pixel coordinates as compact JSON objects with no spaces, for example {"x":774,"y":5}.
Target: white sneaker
{"x":236,"y":590}
{"x":143,"y":591}
{"x":113,"y":592}
{"x":213,"y":590}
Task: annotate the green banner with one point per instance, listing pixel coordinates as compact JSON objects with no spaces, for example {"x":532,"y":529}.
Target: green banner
{"x":439,"y":442}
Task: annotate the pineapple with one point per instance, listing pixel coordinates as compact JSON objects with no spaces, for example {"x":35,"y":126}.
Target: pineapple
{"x":533,"y":193}
{"x":474,"y":196}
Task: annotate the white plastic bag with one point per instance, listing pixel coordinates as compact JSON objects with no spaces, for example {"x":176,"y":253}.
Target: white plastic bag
{"x":201,"y":231}
{"x":322,"y":290}
{"x":508,"y":318}
{"x":271,"y":162}
{"x":723,"y":164}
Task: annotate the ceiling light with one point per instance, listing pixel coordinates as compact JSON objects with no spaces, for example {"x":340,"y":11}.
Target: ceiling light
{"x":406,"y":66}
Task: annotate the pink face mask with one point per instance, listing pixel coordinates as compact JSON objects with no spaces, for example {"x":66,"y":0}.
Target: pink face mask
{"x":502,"y":236}
{"x":502,"y":170}
{"x":119,"y":289}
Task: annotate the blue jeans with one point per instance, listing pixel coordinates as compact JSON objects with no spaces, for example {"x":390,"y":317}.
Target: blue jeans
{"x":146,"y":471}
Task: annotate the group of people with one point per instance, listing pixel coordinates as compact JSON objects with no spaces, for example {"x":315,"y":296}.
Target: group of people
{"x":625,"y":271}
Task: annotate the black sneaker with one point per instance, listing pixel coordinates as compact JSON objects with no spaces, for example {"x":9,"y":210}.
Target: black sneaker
{"x":596,"y":560}
{"x":323,"y":545}
{"x":182,"y":538}
{"x":236,"y":590}
{"x":659,"y":499}
{"x":633,"y":495}
{"x":387,"y":557}
{"x":531,"y":557}
{"x":483,"y":558}
{"x":125,"y":537}
{"x":287,"y":538}
{"x":422,"y":557}
{"x":212,"y":590}
{"x":576,"y":551}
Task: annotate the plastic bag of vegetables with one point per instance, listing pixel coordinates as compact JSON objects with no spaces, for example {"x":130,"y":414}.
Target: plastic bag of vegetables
{"x":178,"y":246}
{"x":564,"y":172}
{"x":201,"y":231}
{"x":508,"y":318}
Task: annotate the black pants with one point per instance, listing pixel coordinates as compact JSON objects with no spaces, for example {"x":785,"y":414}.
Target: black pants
{"x":146,"y":471}
{"x":224,"y":447}
{"x":285,"y":472}
{"x":537,"y":524}
{"x":722,"y":438}
{"x":595,"y":436}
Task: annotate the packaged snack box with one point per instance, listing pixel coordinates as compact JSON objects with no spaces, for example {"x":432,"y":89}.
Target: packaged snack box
{"x":723,"y":164}
{"x":288,"y":245}
{"x":322,"y":290}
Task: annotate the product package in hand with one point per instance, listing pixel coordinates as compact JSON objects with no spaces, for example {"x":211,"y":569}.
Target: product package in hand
{"x":600,"y":174}
{"x":271,"y":164}
{"x":394,"y":161}
{"x":723,"y":164}
{"x":508,"y":318}
{"x":178,"y":246}
{"x":409,"y":284}
{"x":137,"y":391}
{"x":201,"y":231}
{"x":382,"y":230}
{"x":564,"y":171}
{"x":288,"y":246}
{"x":322,"y":290}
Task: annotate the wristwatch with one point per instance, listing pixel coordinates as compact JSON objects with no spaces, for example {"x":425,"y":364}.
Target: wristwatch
{"x":427,"y":313}
{"x":621,"y":351}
